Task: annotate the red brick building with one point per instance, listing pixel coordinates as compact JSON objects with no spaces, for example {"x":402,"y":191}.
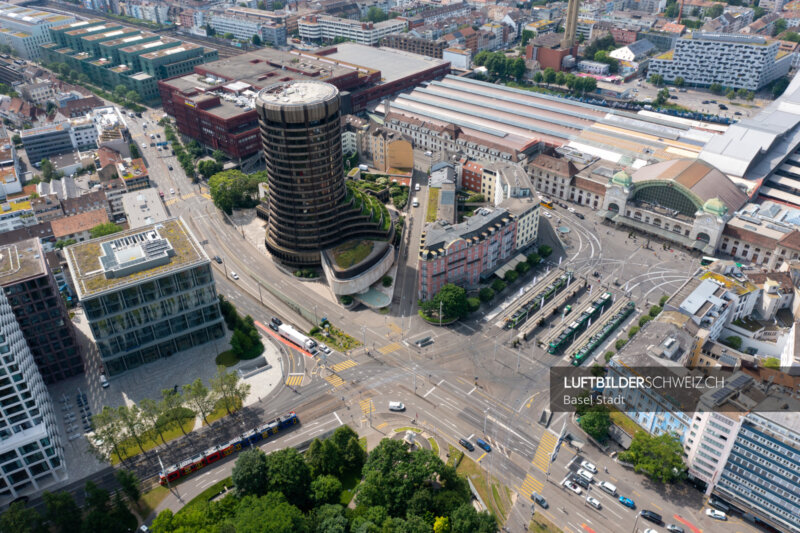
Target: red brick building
{"x":471,"y":173}
{"x":548,"y":51}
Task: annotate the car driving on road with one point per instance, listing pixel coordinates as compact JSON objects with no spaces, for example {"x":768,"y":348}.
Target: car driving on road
{"x":594,"y":502}
{"x":627,"y":502}
{"x":573,"y":487}
{"x":466,"y":444}
{"x":717,"y":515}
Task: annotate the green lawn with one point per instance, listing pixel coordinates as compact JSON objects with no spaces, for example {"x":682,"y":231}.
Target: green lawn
{"x":489,"y":490}
{"x":226,"y":358}
{"x":433,"y":205}
{"x":208,"y":493}
{"x":351,"y":253}
{"x":219,"y":412}
{"x":455,"y":455}
{"x":541,"y":524}
{"x":150,"y":440}
{"x":151,"y":499}
{"x":415,"y":430}
{"x":623,"y":421}
{"x":349,"y":483}
{"x":434,"y":445}
{"x":363,"y":443}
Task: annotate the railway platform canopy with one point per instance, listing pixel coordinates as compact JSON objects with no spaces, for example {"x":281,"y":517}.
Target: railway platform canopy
{"x":500,"y":272}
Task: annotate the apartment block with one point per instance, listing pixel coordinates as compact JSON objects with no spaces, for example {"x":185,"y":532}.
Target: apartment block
{"x":31,"y":452}
{"x":245,"y":27}
{"x":415,"y":45}
{"x":25,"y":29}
{"x":153,"y":294}
{"x":732,"y":60}
{"x":33,"y":295}
{"x":323,"y":27}
{"x":46,"y":141}
{"x":112,"y":54}
{"x":464,"y":253}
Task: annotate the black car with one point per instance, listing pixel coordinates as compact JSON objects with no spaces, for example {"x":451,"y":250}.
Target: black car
{"x":580,"y":481}
{"x":673,"y":97}
{"x":466,"y":444}
{"x":706,"y":102}
{"x":169,"y":167}
{"x":722,"y":106}
{"x":580,"y":215}
{"x":651,"y":516}
{"x":273,"y":327}
{"x":275,"y":320}
{"x":218,"y":259}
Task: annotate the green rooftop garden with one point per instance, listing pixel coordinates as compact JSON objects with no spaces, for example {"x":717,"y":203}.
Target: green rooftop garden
{"x":351,"y":253}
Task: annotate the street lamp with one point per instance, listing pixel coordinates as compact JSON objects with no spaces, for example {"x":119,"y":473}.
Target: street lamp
{"x":635,"y":522}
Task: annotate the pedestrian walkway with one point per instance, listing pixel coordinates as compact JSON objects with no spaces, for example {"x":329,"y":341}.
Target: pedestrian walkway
{"x":395,"y":328}
{"x":545,"y":450}
{"x":335,"y":380}
{"x":344,"y":365}
{"x":530,"y":485}
{"x":295,"y":380}
{"x":389,"y":348}
{"x":367,"y":406}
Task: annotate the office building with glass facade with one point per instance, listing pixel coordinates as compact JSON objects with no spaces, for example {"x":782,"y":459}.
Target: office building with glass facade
{"x":147,"y":293}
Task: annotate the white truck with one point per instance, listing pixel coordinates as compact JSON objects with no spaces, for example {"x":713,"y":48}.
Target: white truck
{"x":288,"y":332}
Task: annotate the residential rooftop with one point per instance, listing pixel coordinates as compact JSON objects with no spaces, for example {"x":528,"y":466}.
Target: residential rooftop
{"x":20,"y":261}
{"x":393,"y":64}
{"x":88,"y":271}
{"x":438,"y":237}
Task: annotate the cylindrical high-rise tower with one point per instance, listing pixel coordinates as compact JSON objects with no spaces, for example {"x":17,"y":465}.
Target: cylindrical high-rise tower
{"x":301,"y":137}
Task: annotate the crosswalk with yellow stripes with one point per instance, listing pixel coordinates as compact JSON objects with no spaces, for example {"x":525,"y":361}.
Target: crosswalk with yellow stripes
{"x":530,"y":485}
{"x":176,"y":199}
{"x":334,"y":380}
{"x":206,"y":196}
{"x":367,"y":406}
{"x":389,"y":348}
{"x":344,"y":365}
{"x":395,"y":328}
{"x":294,"y":380}
{"x":546,"y":446}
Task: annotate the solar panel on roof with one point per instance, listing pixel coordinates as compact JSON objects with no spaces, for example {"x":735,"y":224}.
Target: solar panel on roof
{"x":727,"y":360}
{"x":720,"y":394}
{"x":741,"y":381}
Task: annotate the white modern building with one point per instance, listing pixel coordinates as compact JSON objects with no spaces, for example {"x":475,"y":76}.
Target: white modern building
{"x":244,"y":27}
{"x":323,"y":27}
{"x":732,"y":60}
{"x":25,"y":29}
{"x":459,"y":58}
{"x":31,"y":452}
{"x":634,"y":51}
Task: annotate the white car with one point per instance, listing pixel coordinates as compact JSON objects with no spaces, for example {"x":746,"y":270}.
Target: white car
{"x":144,"y":145}
{"x":594,"y":502}
{"x":586,"y":465}
{"x":324,"y":348}
{"x":573,"y":487}
{"x":234,"y":275}
{"x":171,"y":191}
{"x":396,"y":406}
{"x":717,"y":515}
{"x":571,"y":209}
{"x":548,"y":215}
{"x":650,"y":530}
{"x":585,"y":474}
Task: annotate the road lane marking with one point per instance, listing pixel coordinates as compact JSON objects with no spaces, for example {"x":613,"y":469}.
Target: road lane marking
{"x":382,"y":425}
{"x":657,"y":507}
{"x":344,"y":365}
{"x":389,"y":348}
{"x":440,"y":383}
{"x":367,"y":406}
{"x":337,"y":418}
{"x":336,"y":381}
{"x":430,"y":391}
{"x":481,"y":457}
{"x":529,"y":486}
{"x":587,"y":528}
{"x":473,"y":390}
{"x":295,"y":380}
{"x":544,"y":451}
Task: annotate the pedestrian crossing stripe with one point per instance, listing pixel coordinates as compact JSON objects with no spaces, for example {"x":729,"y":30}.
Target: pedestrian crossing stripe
{"x":389,"y":348}
{"x":336,"y":381}
{"x":544,"y":451}
{"x":382,"y":425}
{"x":367,"y":406}
{"x":171,"y":201}
{"x":394,"y":327}
{"x":206,"y":196}
{"x":294,"y":380}
{"x":344,"y":365}
{"x":530,"y":485}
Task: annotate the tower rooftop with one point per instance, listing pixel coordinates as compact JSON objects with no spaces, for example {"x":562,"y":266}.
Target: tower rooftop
{"x":297,"y":92}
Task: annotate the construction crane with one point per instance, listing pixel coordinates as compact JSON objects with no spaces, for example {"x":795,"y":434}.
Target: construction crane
{"x":680,"y":12}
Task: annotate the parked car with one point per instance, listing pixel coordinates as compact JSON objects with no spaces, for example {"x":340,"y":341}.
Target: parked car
{"x":325,"y":349}
{"x":234,"y":275}
{"x":539,"y":499}
{"x":594,"y":502}
{"x":716,"y":515}
{"x":275,"y":320}
{"x":672,"y":528}
{"x":218,"y":259}
{"x":571,"y":209}
{"x":586,"y":465}
{"x":416,"y":187}
{"x":652,"y":516}
{"x":608,"y":487}
{"x":396,"y":406}
{"x":273,"y":327}
{"x":585,"y":474}
{"x":580,"y":481}
{"x":580,"y":216}
{"x":548,"y":215}
{"x":627,"y":502}
{"x":171,"y":191}
{"x":573,"y":487}
{"x":169,"y":167}
{"x":466,"y":444}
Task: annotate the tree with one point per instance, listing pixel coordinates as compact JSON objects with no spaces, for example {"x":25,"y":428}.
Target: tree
{"x":62,"y":512}
{"x":129,"y":484}
{"x":772,"y":362}
{"x":256,"y":40}
{"x":376,"y":14}
{"x":64,"y":69}
{"x":659,"y":458}
{"x":716,"y":88}
{"x":656,"y":79}
{"x":779,"y":85}
{"x":596,"y":422}
{"x":549,"y":75}
{"x":734,"y":342}
{"x":108,"y":433}
{"x":561,"y":78}
{"x":527,"y":35}
{"x":249,"y":474}
{"x":679,"y":81}
{"x":229,"y":389}
{"x":517,"y":68}
{"x":135,"y":154}
{"x":172,"y":402}
{"x":731,"y":94}
{"x":120,"y":90}
{"x":486,"y":294}
{"x":441,"y":525}
{"x":779,"y":27}
{"x":63,"y":244}
{"x":538,"y":77}
{"x":48,"y":170}
{"x":352,"y":455}
{"x":326,"y":489}
{"x":715,"y":11}
{"x":106,"y":228}
{"x":229,"y":36}
{"x":498,"y":285}
{"x":199,"y":398}
{"x":268,"y":513}
{"x":288,"y":473}
{"x":758,"y":12}
{"x":83,"y":78}
{"x":545,"y":251}
{"x":466,"y":518}
{"x":533,"y":259}
{"x":662,"y":97}
{"x":208,"y":168}
{"x":791,"y":36}
{"x":16,"y":139}
{"x":219,"y":156}
{"x":131,"y":420}
{"x":603,"y":57}
{"x":655,"y":310}
{"x":20,"y":519}
{"x":152,"y":413}
{"x":133,"y":96}
{"x":322,"y":458}
{"x":453,"y":300}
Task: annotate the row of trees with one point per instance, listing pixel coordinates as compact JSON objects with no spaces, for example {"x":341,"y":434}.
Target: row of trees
{"x":499,"y":65}
{"x":185,"y":158}
{"x":578,"y":84}
{"x":117,"y":429}
{"x":233,"y":189}
{"x":246,"y":341}
{"x":101,"y":513}
{"x":400,"y":491}
{"x":106,"y":228}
